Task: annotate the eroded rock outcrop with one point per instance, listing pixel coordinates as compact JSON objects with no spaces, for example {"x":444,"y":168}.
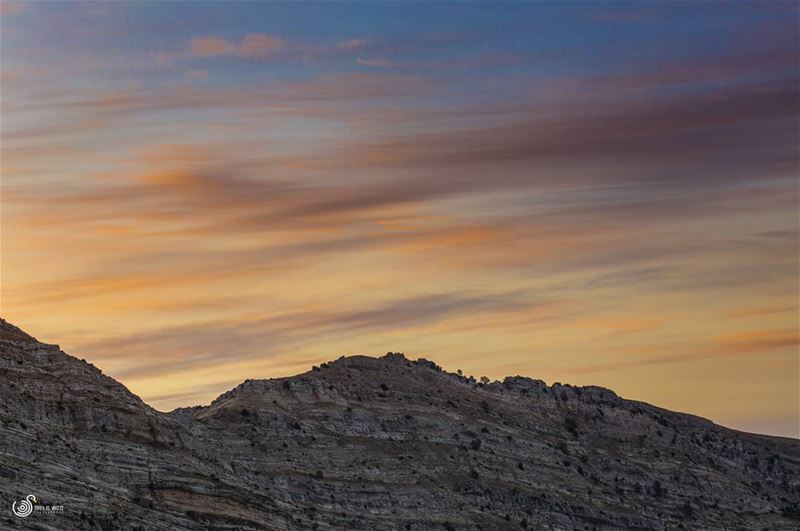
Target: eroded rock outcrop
{"x":369,"y":443}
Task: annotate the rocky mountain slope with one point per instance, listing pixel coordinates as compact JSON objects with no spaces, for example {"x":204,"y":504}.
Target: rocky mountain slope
{"x":366,"y":443}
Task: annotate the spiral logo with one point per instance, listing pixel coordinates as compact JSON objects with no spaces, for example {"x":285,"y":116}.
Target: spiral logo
{"x":24,"y":508}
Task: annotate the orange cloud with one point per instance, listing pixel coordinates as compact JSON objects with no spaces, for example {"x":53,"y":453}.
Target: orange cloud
{"x":252,"y":45}
{"x":757,"y":341}
{"x":762,"y":310}
{"x":624,"y":324}
{"x":210,"y":46}
{"x":257,"y":45}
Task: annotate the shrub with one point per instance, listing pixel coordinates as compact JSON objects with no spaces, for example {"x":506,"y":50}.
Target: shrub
{"x":791,"y":511}
{"x":572,"y":425}
{"x":687,"y":510}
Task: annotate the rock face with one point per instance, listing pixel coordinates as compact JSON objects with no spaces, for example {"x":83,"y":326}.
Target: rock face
{"x":366,"y":443}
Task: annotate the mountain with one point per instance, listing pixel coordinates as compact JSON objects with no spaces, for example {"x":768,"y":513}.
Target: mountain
{"x":372,"y":443}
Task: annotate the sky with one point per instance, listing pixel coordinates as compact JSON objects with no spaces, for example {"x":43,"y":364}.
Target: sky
{"x":198,"y":193}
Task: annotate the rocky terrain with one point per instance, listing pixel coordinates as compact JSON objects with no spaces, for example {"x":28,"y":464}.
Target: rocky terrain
{"x":373,"y":443}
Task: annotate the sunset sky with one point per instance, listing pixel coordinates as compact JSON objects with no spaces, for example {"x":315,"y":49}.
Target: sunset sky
{"x":197,"y":193}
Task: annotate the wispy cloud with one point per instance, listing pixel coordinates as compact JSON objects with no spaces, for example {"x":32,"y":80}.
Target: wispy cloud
{"x":252,"y":45}
{"x":759,"y":342}
{"x":379,"y":63}
{"x":352,"y":44}
{"x":202,"y":344}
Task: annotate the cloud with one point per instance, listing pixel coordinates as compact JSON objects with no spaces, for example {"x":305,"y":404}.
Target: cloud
{"x":258,"y":45}
{"x":768,"y":60}
{"x":772,"y":341}
{"x":759,"y":311}
{"x":747,"y":123}
{"x":211,"y":46}
{"x":543,"y":180}
{"x":378,"y":63}
{"x":251,"y":46}
{"x":201,"y":344}
{"x":352,"y":44}
{"x":756,"y":341}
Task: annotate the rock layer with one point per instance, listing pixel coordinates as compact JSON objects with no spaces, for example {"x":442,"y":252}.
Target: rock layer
{"x":373,"y":443}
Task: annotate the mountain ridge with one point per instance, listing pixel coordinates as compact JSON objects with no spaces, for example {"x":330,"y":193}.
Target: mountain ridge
{"x":362,"y":442}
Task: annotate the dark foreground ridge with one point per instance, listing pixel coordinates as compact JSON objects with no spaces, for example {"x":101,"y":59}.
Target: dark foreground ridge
{"x":366,"y":443}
